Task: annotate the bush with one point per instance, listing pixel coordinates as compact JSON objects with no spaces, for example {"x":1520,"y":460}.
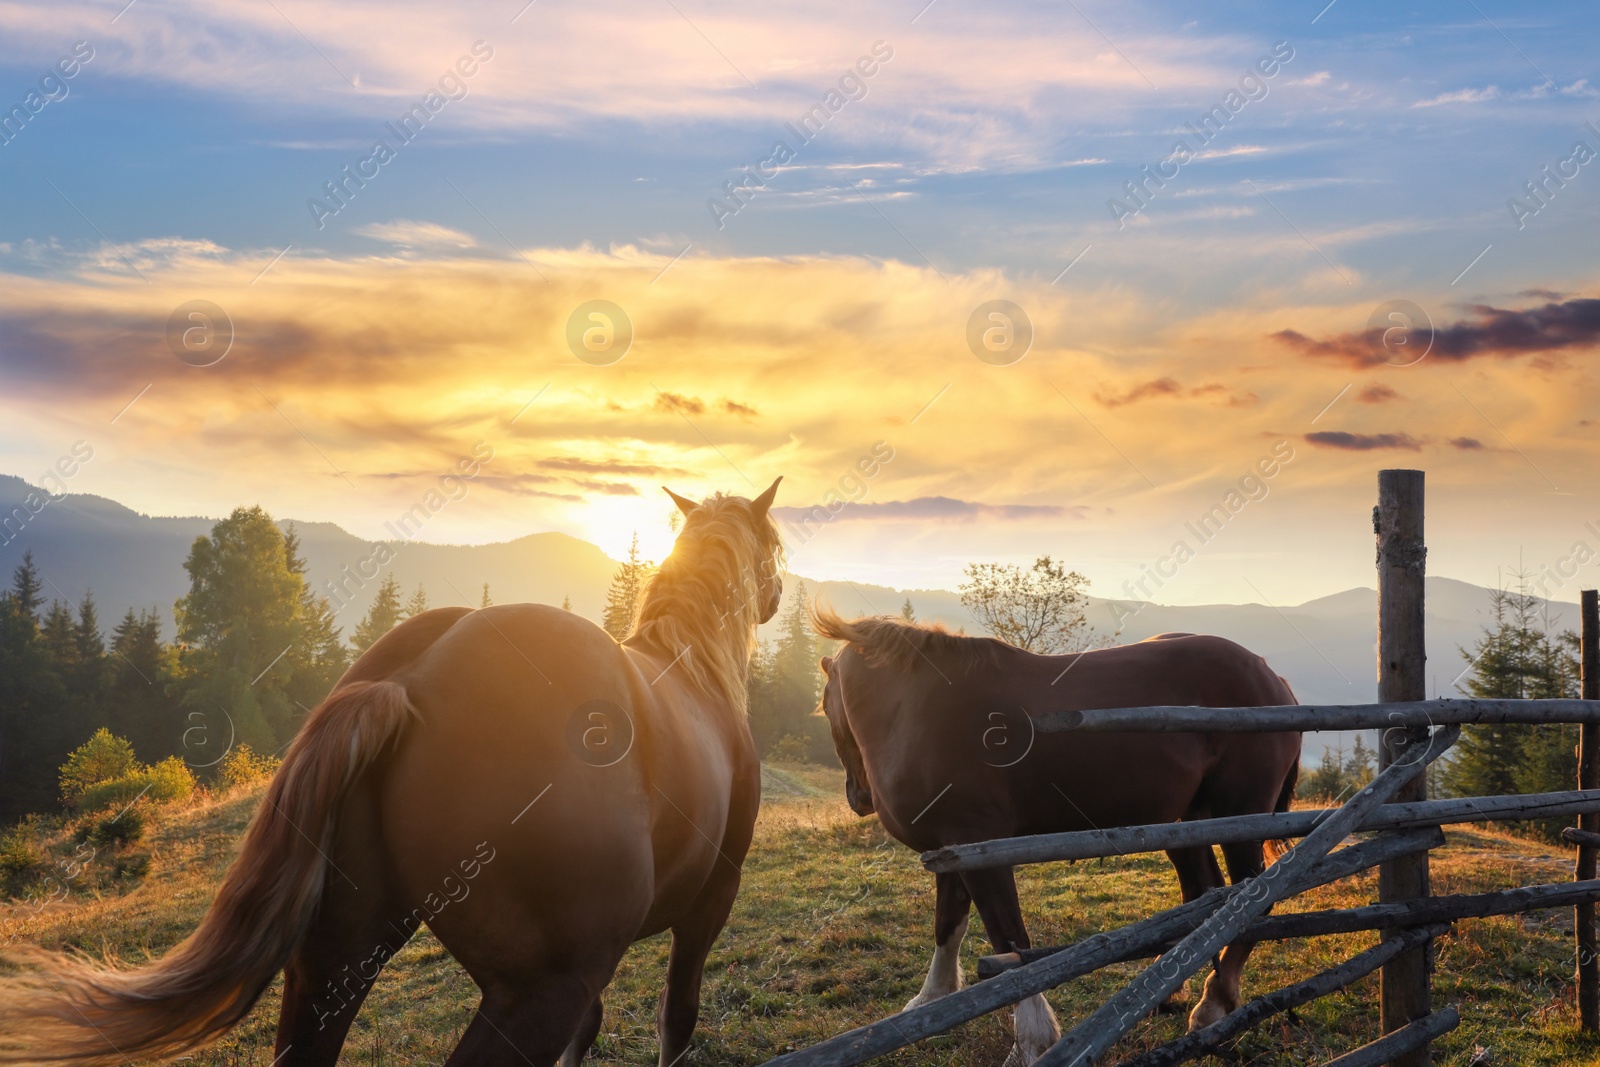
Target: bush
{"x":167,"y":780}
{"x":790,"y":748}
{"x":20,"y":859}
{"x":124,"y":828}
{"x":241,"y":766}
{"x":104,"y":757}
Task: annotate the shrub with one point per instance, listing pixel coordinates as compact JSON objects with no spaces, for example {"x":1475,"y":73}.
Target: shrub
{"x":167,"y":780}
{"x":124,"y":828}
{"x":20,"y":859}
{"x":103,"y":758}
{"x":790,"y":748}
{"x":241,"y":766}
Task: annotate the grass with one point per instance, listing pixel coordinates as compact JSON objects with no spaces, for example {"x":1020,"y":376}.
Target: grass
{"x":832,"y":930}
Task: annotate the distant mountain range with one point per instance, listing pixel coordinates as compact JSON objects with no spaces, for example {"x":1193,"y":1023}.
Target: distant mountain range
{"x":1324,"y":647}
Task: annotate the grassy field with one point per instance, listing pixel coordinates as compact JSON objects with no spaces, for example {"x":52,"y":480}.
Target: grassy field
{"x":832,"y":930}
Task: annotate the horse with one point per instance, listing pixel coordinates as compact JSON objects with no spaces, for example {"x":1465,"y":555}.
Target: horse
{"x":936,"y":734}
{"x":537,"y":794}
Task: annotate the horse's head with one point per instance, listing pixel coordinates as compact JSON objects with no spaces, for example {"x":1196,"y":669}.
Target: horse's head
{"x":758,"y":580}
{"x":857,"y":790}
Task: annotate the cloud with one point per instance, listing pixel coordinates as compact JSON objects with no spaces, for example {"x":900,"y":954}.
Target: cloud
{"x":744,"y":411}
{"x":1466,"y":444}
{"x":1377,"y":393}
{"x":1160,"y":387}
{"x":930,"y":508}
{"x":594,"y":466}
{"x":1542,"y":91}
{"x":679,"y":404}
{"x":1503,"y":332}
{"x":411,"y":234}
{"x":1363,"y":442}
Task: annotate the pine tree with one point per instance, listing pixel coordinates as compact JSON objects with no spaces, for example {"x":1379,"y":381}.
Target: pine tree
{"x":1517,"y":658}
{"x":91,"y":645}
{"x":26,"y":587}
{"x":627,"y":588}
{"x":381,"y":617}
{"x":319,"y":657}
{"x":418,"y":603}
{"x":566,"y":603}
{"x":485,"y":602}
{"x":907,"y":612}
{"x":785,"y":684}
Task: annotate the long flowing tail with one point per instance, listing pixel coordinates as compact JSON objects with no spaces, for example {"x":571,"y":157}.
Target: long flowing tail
{"x":1278,"y":846}
{"x":61,"y":1009}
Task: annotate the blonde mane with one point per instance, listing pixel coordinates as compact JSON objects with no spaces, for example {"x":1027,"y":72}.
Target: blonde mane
{"x":902,"y":645}
{"x":705,"y":596}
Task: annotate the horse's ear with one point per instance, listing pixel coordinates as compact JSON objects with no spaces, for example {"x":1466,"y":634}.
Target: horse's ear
{"x":761,"y":503}
{"x":685,"y":505}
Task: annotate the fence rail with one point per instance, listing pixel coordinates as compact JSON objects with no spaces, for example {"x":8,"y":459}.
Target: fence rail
{"x":1311,"y":718}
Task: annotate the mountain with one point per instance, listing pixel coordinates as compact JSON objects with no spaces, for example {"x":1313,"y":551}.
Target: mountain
{"x":1324,"y":647}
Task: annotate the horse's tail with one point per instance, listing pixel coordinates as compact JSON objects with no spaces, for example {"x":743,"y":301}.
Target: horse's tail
{"x":61,"y":1009}
{"x":1276,"y":847}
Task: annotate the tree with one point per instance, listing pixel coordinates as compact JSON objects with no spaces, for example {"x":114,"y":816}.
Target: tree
{"x":241,"y":617}
{"x":381,"y":617}
{"x":418,"y":603}
{"x":627,"y":588}
{"x":26,"y":587}
{"x":1519,"y":657}
{"x":100,"y":759}
{"x":485,"y":602}
{"x":566,"y":603}
{"x":907,"y":612}
{"x":785,"y":685}
{"x":319,"y":657}
{"x":1041,"y":609}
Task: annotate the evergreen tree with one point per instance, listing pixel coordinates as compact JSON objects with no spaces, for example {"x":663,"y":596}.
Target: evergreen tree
{"x":381,"y":617}
{"x":627,"y":588}
{"x":33,"y":740}
{"x":1517,"y":658}
{"x":60,"y":637}
{"x":907,"y":612}
{"x":26,"y":587}
{"x":485,"y":602}
{"x":566,"y":603}
{"x":418,"y":602}
{"x":785,"y":686}
{"x":319,"y":657}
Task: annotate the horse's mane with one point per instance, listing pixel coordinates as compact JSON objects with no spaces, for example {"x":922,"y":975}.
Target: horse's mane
{"x":902,"y":645}
{"x":703,"y":597}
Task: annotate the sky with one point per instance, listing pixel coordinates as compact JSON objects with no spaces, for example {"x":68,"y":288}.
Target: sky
{"x":1153,"y":290}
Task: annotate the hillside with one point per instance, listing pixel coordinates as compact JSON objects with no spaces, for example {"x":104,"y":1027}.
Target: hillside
{"x":831,"y":930}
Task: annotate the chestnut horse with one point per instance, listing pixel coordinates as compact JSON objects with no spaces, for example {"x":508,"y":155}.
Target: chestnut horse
{"x":537,"y":794}
{"x":936,"y":735}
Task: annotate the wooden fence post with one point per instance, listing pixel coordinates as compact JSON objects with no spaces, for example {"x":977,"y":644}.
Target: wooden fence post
{"x":1402,"y":658}
{"x":1588,"y":758}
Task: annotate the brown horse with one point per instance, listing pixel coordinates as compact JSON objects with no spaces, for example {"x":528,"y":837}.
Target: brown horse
{"x":936,"y":735}
{"x":537,"y":794}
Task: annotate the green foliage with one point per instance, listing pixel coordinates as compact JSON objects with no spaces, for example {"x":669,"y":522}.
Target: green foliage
{"x":20,"y":858}
{"x":168,"y":780}
{"x":785,"y":685}
{"x":1336,"y":778}
{"x":1042,"y":609}
{"x":126,"y":827}
{"x":1519,"y":657}
{"x":627,"y":589}
{"x":103,"y":758}
{"x":241,"y":766}
{"x":418,"y":603}
{"x":383,"y":616}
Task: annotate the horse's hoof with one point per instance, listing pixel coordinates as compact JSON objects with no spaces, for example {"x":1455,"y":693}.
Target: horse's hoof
{"x":1017,"y":1058}
{"x":1173,"y":1005}
{"x":1205,"y":1013}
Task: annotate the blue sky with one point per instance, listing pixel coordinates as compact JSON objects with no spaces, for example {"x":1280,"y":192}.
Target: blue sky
{"x":977,"y":161}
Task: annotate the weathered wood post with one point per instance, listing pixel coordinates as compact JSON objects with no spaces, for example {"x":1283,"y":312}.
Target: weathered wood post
{"x":1588,"y":759}
{"x":1402,"y":659}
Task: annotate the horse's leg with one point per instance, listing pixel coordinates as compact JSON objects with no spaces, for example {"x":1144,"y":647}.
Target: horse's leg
{"x":1222,"y":994}
{"x":679,"y":1009}
{"x":354,"y":934}
{"x":584,"y":1041}
{"x":994,"y":891}
{"x":531,"y":1022}
{"x":1197,"y":872}
{"x":952,"y":903}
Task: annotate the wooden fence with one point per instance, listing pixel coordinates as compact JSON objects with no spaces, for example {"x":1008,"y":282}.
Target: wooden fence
{"x":1415,"y":732}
